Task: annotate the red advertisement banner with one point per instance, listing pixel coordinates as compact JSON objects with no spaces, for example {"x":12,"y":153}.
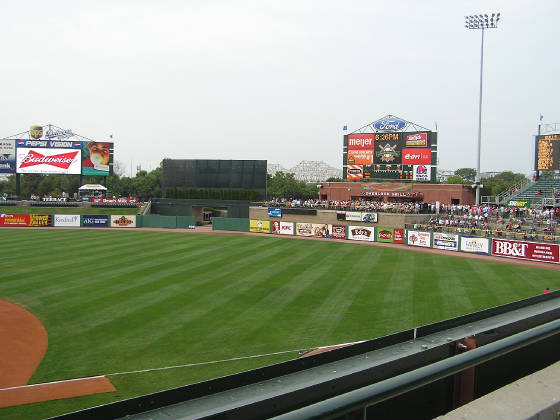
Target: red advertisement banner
{"x":24,"y":220}
{"x":339,"y":232}
{"x":121,"y":200}
{"x":525,"y":250}
{"x":360,"y":141}
{"x":398,"y":236}
{"x":416,"y":156}
{"x":14,"y":220}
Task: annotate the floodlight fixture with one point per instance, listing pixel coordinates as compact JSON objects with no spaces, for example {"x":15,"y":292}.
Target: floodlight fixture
{"x":481,"y":22}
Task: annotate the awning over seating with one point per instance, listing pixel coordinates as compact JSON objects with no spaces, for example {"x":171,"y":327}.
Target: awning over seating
{"x":92,"y":187}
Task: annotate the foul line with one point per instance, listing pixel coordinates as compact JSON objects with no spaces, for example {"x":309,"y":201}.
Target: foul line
{"x":224,"y":360}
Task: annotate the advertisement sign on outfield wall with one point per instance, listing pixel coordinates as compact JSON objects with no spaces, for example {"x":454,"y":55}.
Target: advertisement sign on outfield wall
{"x":416,"y":238}
{"x":322,"y":230}
{"x":95,"y":220}
{"x":14,"y":220}
{"x":272,"y":212}
{"x":384,"y":235}
{"x":339,"y":231}
{"x":282,"y":228}
{"x":68,"y":220}
{"x":304,"y":229}
{"x":398,"y":236}
{"x":23,"y":220}
{"x":7,"y":156}
{"x":124,"y":221}
{"x":525,"y":250}
{"x":259,"y":226}
{"x":361,"y":233}
{"x":446,"y":241}
{"x":476,"y":245}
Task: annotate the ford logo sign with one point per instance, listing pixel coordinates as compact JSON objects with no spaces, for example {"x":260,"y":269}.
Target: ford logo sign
{"x":393,"y":124}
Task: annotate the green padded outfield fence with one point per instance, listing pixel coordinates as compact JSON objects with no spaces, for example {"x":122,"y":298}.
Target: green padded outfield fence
{"x":230,"y":223}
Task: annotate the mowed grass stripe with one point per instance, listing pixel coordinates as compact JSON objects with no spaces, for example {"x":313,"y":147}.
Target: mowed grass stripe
{"x":333,"y":291}
{"x":250,"y":302}
{"x":158,"y":299}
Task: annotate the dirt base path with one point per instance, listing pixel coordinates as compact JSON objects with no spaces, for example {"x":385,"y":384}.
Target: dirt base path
{"x":23,"y":345}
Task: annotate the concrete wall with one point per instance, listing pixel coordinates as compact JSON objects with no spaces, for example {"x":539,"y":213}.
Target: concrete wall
{"x":536,"y":396}
{"x":388,"y":220}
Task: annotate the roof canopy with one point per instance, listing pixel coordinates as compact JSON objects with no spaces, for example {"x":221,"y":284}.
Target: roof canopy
{"x":92,"y":187}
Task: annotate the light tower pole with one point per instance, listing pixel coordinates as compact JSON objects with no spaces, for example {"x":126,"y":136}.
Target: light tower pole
{"x":481,"y":22}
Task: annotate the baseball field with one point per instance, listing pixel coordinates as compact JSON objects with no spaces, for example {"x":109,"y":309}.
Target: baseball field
{"x":156,"y":310}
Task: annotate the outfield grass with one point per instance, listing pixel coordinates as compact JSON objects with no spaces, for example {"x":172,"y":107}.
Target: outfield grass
{"x":68,"y":210}
{"x":121,"y":301}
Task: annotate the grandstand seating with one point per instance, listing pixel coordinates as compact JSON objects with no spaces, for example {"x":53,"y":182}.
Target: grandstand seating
{"x":546,"y":186}
{"x":115,"y":205}
{"x":55,"y":204}
{"x":8,"y":203}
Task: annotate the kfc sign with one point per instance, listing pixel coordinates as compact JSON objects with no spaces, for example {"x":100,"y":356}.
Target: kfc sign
{"x":48,"y":161}
{"x":360,"y":141}
{"x":525,"y":250}
{"x":417,"y":140}
{"x":416,"y":156}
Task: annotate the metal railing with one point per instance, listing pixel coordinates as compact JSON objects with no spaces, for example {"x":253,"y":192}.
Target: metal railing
{"x":397,"y":385}
{"x":521,"y":186}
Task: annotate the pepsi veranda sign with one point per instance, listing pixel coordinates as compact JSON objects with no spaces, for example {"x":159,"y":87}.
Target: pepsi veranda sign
{"x":50,"y":144}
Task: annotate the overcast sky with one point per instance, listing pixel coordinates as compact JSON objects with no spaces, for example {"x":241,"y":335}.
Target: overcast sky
{"x":278,"y":80}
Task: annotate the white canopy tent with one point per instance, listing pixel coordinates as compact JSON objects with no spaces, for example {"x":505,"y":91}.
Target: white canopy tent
{"x":92,"y":190}
{"x":92,"y":187}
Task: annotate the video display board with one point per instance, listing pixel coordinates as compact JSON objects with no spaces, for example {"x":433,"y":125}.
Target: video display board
{"x":7,"y":156}
{"x":391,"y":155}
{"x":97,"y":158}
{"x":69,"y":157}
{"x":547,"y":152}
{"x":215,"y":174}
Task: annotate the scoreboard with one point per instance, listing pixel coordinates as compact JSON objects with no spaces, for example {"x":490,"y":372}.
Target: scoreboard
{"x":547,"y":152}
{"x":390,"y":155}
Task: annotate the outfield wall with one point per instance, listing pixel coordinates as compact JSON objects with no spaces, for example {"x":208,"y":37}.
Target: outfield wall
{"x":533,"y":251}
{"x":95,"y":221}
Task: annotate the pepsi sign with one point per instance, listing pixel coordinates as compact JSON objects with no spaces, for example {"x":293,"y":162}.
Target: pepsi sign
{"x":390,"y":124}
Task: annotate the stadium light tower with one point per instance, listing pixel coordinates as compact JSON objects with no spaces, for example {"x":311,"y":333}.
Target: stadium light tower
{"x":481,"y":22}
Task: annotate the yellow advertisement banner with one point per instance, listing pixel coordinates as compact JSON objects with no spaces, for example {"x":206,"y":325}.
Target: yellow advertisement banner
{"x":259,"y":226}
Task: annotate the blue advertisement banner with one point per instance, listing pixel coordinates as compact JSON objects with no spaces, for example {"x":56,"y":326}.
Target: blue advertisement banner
{"x":274,"y":212}
{"x":50,"y":144}
{"x":95,"y":220}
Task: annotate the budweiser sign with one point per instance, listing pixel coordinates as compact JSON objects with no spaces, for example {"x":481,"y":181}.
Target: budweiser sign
{"x":48,"y":161}
{"x":64,"y":160}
